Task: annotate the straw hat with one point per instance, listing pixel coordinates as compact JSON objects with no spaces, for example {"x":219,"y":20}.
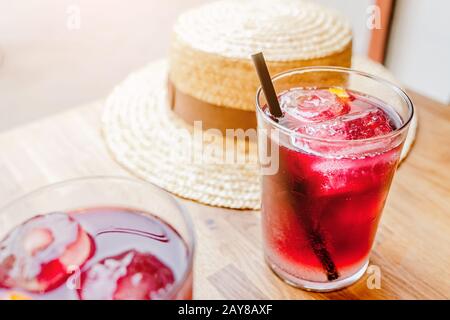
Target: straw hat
{"x":210,"y":74}
{"x":148,"y":123}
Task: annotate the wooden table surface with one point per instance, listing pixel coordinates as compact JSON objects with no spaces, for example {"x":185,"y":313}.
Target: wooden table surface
{"x":412,"y":249}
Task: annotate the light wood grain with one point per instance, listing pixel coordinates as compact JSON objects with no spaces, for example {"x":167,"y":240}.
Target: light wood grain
{"x":412,"y":247}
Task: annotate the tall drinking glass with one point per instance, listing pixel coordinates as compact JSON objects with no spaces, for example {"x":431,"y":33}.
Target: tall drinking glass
{"x":327,"y":166}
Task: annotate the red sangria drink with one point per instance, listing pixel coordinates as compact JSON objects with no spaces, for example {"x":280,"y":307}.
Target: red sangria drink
{"x":336,"y":149}
{"x":98,"y":252}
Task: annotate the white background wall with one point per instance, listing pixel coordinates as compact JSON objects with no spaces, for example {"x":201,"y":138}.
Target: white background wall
{"x":46,"y":67}
{"x":356,"y":12}
{"x":419,"y":47}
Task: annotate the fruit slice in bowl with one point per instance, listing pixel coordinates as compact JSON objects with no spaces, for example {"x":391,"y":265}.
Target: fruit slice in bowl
{"x":131,"y":275}
{"x":40,"y":254}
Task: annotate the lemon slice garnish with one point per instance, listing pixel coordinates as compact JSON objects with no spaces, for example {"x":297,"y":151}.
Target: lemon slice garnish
{"x":340,"y":92}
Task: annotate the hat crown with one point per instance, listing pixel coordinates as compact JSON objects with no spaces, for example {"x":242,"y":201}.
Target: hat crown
{"x":284,"y":29}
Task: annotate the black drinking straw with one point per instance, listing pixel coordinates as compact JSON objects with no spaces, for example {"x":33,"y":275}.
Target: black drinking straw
{"x":266,"y":84}
{"x":314,"y":236}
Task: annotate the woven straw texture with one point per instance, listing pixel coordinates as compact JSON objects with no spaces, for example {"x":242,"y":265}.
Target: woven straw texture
{"x":285,"y":30}
{"x":151,"y":142}
{"x":210,"y":50}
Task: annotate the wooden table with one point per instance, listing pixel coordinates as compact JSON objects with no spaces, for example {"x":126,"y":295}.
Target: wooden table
{"x":412,"y":248}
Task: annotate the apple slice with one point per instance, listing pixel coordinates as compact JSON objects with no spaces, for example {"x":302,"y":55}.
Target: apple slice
{"x":40,"y":254}
{"x":131,"y":275}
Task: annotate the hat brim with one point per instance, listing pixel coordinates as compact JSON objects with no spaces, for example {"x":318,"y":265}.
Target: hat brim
{"x":154,"y":144}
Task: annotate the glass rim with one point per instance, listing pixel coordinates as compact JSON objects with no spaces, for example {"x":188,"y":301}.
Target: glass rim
{"x":400,"y":92}
{"x":181,"y":209}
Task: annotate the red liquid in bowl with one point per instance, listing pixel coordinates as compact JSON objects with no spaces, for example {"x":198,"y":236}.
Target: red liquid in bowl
{"x":96,"y":253}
